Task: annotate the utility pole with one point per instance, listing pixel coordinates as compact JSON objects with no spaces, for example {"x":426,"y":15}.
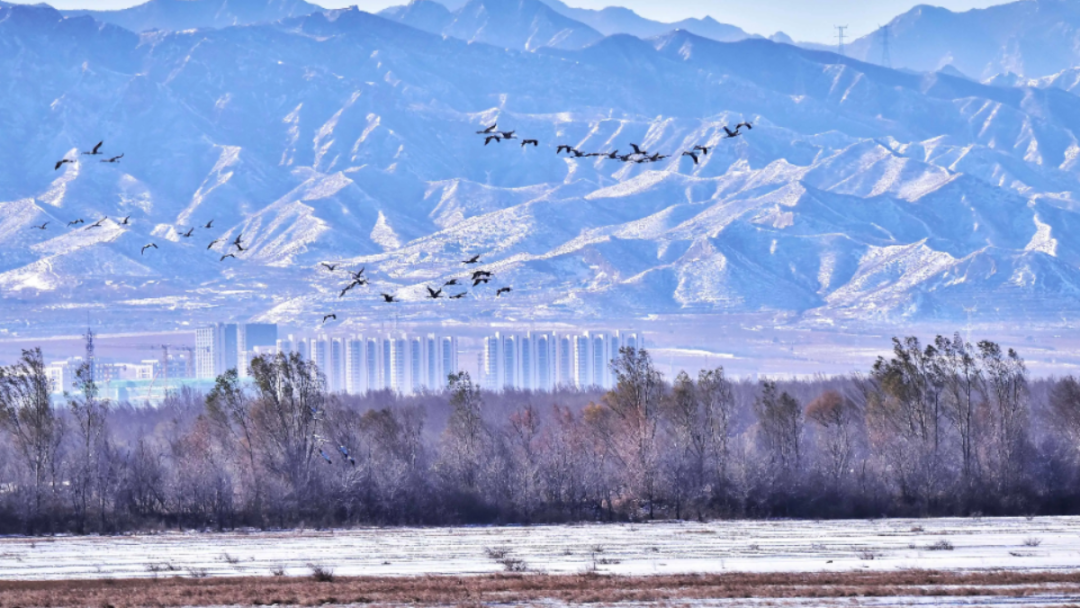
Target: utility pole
{"x":840,"y":29}
{"x":886,"y":57}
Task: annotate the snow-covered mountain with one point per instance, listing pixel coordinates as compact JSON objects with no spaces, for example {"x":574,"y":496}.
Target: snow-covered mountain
{"x":861,"y":194}
{"x":513,"y":24}
{"x":189,"y":14}
{"x":1032,"y":38}
{"x":620,"y":20}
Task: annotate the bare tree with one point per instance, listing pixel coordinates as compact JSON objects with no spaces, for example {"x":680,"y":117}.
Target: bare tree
{"x":779,"y":419}
{"x":26,"y":412}
{"x":635,"y":401}
{"x":1006,"y":377}
{"x":836,"y":418}
{"x":91,"y":463}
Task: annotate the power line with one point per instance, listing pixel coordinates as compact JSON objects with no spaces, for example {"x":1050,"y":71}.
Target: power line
{"x":840,"y":29}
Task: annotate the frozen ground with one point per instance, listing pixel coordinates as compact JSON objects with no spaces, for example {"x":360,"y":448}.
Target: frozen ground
{"x":1042,"y":543}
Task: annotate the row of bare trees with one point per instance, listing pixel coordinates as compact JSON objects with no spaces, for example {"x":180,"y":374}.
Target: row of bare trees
{"x":946,"y":428}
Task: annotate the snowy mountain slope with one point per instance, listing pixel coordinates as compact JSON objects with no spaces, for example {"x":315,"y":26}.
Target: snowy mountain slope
{"x":178,"y":15}
{"x":1032,"y":38}
{"x":860,"y":194}
{"x":512,"y":24}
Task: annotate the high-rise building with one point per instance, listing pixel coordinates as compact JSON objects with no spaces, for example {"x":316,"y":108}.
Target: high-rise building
{"x":398,"y":381}
{"x":528,"y":362}
{"x":336,"y":378}
{"x":492,"y":379}
{"x":510,"y":360}
{"x":600,"y":359}
{"x":354,"y":365}
{"x":582,"y":362}
{"x":319,"y":352}
{"x":371,"y":367}
{"x":416,"y":359}
{"x":387,"y":364}
{"x":431,"y":362}
{"x":566,"y":361}
{"x":544,"y":366}
{"x":217,"y":349}
{"x":448,"y":355}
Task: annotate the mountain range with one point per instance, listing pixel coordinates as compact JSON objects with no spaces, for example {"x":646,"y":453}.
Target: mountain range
{"x":861,"y":195}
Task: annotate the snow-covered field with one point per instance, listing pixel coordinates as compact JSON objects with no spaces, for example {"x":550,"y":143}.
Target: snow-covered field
{"x":1041,"y":543}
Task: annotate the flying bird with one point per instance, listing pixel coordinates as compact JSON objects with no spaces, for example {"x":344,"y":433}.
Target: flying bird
{"x":389,"y":298}
{"x":187,"y":234}
{"x":526,"y":142}
{"x":329,"y":267}
{"x":212,"y":243}
{"x":61,"y":162}
{"x":347,"y":288}
{"x":96,"y":224}
{"x":450,"y":283}
{"x":237,"y":242}
{"x":491,"y":137}
{"x":472,"y":260}
{"x":359,"y":274}
{"x":147,"y":246}
{"x":749,"y":127}
{"x":209,"y":224}
{"x":508,"y":134}
{"x":704,"y":149}
{"x":227,"y":255}
{"x":564,"y":147}
{"x":96,"y":150}
{"x":480,"y":280}
{"x":501,"y":291}
{"x":691,"y":155}
{"x":345,"y":453}
{"x":459,"y":295}
{"x":125,"y":222}
{"x":41,"y":227}
{"x":433,"y":294}
{"x":481,"y":273}
{"x":656,"y":157}
{"x":577,"y":153}
{"x":75,"y":222}
{"x":114,"y":159}
{"x":731,"y":133}
{"x":329,"y":316}
{"x":613,"y":155}
{"x":325,"y":457}
{"x":637,"y":150}
{"x":490,"y":129}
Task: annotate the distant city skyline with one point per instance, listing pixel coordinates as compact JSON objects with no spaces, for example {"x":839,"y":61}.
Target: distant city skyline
{"x":803,"y":21}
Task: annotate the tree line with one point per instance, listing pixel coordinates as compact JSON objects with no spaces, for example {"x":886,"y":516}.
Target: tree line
{"x":945,"y":428}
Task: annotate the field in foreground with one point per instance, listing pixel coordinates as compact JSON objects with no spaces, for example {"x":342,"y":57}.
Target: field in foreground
{"x":888,"y":562}
{"x":884,"y":545}
{"x":904,"y":588}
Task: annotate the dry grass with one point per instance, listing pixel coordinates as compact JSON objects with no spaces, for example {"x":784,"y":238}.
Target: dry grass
{"x":525,"y":588}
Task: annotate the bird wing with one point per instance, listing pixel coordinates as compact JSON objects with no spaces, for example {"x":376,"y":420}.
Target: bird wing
{"x":97,"y":147}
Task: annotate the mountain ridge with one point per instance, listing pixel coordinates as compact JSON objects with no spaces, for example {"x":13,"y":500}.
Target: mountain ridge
{"x":860,"y":194}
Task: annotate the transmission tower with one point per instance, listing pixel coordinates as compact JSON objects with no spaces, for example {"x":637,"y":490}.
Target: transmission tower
{"x":840,"y":29}
{"x":886,"y":58}
{"x":89,"y":348}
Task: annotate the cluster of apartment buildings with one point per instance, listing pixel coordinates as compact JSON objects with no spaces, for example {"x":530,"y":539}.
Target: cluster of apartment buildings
{"x":402,"y":362}
{"x":544,"y":360}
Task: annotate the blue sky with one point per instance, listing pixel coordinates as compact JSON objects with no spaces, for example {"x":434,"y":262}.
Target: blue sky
{"x":810,"y":20}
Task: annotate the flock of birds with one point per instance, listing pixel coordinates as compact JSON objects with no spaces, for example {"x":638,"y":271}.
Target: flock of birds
{"x":357,"y":278}
{"x":478,"y":277}
{"x":96,"y":151}
{"x":638,"y":156}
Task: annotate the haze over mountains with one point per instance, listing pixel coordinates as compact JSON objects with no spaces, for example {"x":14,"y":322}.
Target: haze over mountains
{"x":862,"y":194}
